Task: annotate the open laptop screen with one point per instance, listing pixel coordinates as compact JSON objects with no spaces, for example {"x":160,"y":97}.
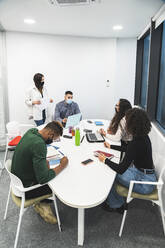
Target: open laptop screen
{"x":73,"y":120}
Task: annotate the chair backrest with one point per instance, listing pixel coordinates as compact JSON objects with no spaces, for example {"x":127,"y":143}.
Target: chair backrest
{"x":159,"y":163}
{"x":16,"y":183}
{"x":13,"y":129}
{"x":25,"y":127}
{"x":162,"y":174}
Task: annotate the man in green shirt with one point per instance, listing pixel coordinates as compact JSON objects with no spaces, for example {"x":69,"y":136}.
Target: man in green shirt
{"x":30,"y":165}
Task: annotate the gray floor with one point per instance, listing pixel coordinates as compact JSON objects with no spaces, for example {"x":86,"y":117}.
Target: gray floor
{"x":143,"y":227}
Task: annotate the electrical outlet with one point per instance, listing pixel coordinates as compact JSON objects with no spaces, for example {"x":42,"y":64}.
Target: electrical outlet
{"x":107,"y":83}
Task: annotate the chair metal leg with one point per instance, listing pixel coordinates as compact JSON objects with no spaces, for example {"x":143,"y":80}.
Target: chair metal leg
{"x":7,"y":203}
{"x":162,"y":215}
{"x":57,"y":214}
{"x":19,"y":222}
{"x":122,"y":223}
{"x":160,"y":204}
{"x":163,"y":220}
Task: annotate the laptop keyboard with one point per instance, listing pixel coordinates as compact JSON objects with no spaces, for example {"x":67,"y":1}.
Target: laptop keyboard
{"x":95,"y":137}
{"x":92,"y":136}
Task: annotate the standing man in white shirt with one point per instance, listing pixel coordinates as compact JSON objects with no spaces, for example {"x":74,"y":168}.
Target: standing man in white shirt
{"x":37,"y":100}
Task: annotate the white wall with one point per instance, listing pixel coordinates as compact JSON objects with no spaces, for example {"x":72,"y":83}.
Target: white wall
{"x":125,"y":69}
{"x":2,"y":88}
{"x":70,"y":63}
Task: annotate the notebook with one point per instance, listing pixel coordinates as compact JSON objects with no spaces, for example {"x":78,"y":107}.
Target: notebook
{"x":53,"y":163}
{"x":99,"y":123}
{"x":53,"y":156}
{"x":108,"y":155}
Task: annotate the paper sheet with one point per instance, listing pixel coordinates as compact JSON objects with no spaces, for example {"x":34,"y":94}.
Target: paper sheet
{"x":53,"y":153}
{"x":44,"y":104}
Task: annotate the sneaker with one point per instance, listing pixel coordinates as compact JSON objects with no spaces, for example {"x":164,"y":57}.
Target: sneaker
{"x":107,"y":208}
{"x":45,"y":211}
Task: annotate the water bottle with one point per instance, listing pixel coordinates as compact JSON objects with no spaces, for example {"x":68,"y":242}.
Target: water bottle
{"x":77,"y":137}
{"x":70,"y":129}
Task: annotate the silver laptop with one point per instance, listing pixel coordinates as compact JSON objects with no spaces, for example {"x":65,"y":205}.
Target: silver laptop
{"x":73,"y":120}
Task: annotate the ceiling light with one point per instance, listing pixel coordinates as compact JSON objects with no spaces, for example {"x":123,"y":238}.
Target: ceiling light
{"x":29,"y":21}
{"x":117,"y":27}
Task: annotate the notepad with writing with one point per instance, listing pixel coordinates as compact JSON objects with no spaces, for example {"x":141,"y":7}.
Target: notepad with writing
{"x":108,"y":155}
{"x":52,"y":153}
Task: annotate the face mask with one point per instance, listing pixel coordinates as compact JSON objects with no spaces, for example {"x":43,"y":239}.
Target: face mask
{"x":42,"y":84}
{"x":49,"y":141}
{"x":69,"y":101}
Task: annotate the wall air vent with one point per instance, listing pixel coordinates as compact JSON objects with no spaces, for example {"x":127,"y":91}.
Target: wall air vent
{"x":72,"y":2}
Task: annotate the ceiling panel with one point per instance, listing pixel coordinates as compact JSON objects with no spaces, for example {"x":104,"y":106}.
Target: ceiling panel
{"x":94,"y":20}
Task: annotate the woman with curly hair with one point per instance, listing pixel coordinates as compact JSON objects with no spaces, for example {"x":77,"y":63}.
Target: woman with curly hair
{"x":117,"y":130}
{"x":137,"y":164}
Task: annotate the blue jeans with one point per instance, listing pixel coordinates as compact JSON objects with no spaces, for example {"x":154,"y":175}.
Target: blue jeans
{"x":40,"y":122}
{"x":116,"y":201}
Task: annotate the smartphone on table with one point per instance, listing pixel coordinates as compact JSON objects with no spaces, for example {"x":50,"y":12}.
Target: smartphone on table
{"x":67,"y":136}
{"x":87,"y":131}
{"x":88,"y":161}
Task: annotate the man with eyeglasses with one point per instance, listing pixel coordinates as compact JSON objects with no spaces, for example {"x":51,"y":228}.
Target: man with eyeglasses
{"x":66,"y":108}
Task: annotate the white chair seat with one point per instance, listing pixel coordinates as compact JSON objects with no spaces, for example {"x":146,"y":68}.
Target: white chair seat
{"x":155,"y":196}
{"x":17,"y":191}
{"x":29,"y":202}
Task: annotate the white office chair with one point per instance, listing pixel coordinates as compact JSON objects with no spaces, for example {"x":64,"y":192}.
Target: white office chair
{"x":19,"y":129}
{"x":154,"y":197}
{"x":17,"y":191}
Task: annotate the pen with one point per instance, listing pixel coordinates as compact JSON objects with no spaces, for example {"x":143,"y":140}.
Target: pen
{"x":82,"y":139}
{"x":56,"y":147}
{"x":61,"y":152}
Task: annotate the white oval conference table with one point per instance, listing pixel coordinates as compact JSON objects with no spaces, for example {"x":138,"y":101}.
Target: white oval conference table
{"x":83,"y":186}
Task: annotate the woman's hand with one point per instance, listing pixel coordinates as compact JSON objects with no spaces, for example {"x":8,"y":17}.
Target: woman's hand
{"x":102,"y":131}
{"x":101,"y":157}
{"x":109,"y":131}
{"x":51,"y":100}
{"x":107,"y":145}
{"x":36,"y":102}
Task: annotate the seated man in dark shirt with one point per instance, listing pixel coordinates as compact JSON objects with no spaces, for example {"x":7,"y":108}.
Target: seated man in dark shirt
{"x":66,"y":108}
{"x":30,"y":165}
{"x":137,"y":153}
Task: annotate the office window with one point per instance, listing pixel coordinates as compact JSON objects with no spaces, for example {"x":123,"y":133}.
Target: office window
{"x":146,"y":45}
{"x":160,"y":116}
